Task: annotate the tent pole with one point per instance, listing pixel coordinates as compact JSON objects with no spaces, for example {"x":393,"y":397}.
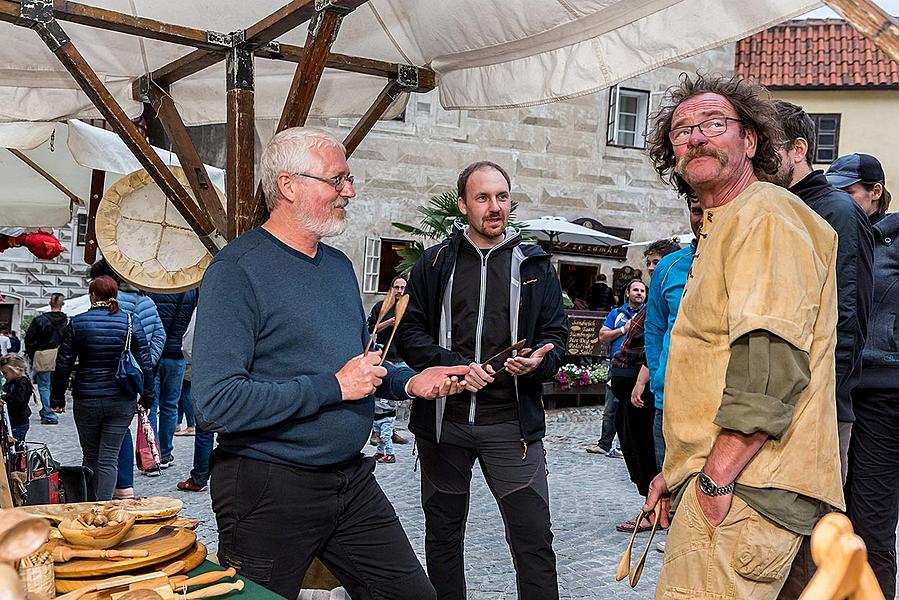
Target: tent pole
{"x":387,"y":96}
{"x":98,"y":181}
{"x":73,"y":197}
{"x":240,"y":139}
{"x":187,"y":154}
{"x":38,"y":15}
{"x":323,"y":31}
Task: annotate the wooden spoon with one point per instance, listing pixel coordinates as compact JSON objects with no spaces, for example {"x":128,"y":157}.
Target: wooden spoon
{"x":389,"y":301}
{"x":625,"y":565}
{"x":211,"y":577}
{"x":65,"y":553}
{"x":401,"y":305}
{"x":638,"y":568}
{"x":219,"y":589}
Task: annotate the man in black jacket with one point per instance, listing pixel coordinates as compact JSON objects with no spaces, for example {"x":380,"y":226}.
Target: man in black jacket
{"x":855,"y":255}
{"x":45,"y":335}
{"x":472,"y":296}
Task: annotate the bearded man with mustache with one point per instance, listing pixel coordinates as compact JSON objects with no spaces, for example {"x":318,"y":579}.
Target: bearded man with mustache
{"x":471,"y":297}
{"x":752,"y":458}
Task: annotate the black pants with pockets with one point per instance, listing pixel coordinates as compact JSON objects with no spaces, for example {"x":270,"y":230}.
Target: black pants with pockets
{"x":518,"y":483}
{"x":273,"y":520}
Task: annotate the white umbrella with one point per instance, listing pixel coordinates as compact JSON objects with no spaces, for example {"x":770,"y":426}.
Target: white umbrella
{"x":560,"y":230}
{"x":683,"y":239}
{"x":73,"y":306}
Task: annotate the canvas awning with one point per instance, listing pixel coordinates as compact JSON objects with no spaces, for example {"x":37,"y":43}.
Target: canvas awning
{"x":486,"y":53}
{"x":560,"y":230}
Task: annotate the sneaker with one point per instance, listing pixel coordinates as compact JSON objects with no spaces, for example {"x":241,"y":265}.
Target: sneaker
{"x":375,"y":439}
{"x":165,"y":463}
{"x":123,"y":493}
{"x":178,"y":427}
{"x":398,"y":439}
{"x":387,"y":458}
{"x":596,"y":450}
{"x":154,"y":472}
{"x":615,"y":453}
{"x":189,"y":485}
{"x":186,"y":431}
{"x":377,"y":456}
{"x":49,"y":422}
{"x":660,"y":547}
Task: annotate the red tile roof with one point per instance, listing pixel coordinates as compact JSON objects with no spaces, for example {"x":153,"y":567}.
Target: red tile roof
{"x":814,"y":53}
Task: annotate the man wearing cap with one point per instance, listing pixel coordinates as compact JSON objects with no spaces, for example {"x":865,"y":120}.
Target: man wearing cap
{"x":855,"y":254}
{"x":750,"y":426}
{"x":872,"y":490}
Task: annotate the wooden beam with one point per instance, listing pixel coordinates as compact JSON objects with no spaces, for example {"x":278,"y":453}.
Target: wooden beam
{"x":111,"y":20}
{"x":191,"y":163}
{"x":240,"y":141}
{"x":291,"y":15}
{"x":872,"y":22}
{"x":94,"y":88}
{"x":387,"y":96}
{"x":98,"y":181}
{"x":72,"y":196}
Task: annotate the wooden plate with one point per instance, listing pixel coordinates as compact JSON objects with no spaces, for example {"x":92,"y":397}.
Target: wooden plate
{"x":162,"y":543}
{"x":143,"y":509}
{"x":193,"y":558}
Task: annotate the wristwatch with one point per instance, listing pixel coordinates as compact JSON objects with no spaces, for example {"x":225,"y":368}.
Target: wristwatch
{"x":708,"y":486}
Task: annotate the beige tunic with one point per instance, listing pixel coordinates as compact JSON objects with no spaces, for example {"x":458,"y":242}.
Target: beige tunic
{"x":765,"y":261}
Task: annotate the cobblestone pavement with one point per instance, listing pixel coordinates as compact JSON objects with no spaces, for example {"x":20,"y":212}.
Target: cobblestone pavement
{"x":590,"y":494}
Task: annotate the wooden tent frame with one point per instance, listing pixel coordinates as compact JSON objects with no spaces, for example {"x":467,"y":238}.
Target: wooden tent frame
{"x":245,"y":206}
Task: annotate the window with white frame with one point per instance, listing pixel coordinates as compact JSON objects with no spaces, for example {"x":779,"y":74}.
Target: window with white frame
{"x":382,"y":258}
{"x":81,"y":233}
{"x":628,"y":117}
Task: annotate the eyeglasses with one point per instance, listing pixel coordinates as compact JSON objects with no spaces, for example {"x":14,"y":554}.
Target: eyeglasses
{"x":339,"y":182}
{"x":709,"y":128}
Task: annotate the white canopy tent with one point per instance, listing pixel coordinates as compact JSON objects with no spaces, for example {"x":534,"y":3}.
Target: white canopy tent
{"x":28,"y":199}
{"x":682,"y":238}
{"x":486,"y":53}
{"x":560,"y":230}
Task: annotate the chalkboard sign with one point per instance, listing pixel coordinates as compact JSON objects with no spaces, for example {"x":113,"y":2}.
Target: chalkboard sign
{"x":583,"y":334}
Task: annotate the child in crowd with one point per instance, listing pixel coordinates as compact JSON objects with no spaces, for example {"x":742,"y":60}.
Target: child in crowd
{"x":382,"y":430}
{"x":17,"y":391}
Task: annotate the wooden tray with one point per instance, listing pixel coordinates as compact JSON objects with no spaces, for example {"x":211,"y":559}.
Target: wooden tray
{"x":144,"y":509}
{"x":193,"y":558}
{"x":162,"y":542}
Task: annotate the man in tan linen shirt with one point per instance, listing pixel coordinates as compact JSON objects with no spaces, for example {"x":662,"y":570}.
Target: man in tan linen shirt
{"x":750,"y":424}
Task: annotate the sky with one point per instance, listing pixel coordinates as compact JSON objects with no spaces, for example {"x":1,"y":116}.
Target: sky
{"x":890,"y":6}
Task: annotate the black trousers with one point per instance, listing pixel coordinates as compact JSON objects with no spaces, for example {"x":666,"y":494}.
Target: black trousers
{"x":635,"y":432}
{"x":517,"y":481}
{"x":102,"y":424}
{"x":273,"y":520}
{"x":872,"y":490}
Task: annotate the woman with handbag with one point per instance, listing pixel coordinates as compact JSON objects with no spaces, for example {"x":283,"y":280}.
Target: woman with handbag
{"x":113,"y":370}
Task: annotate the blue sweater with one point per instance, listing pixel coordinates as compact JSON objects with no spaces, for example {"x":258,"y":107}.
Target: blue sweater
{"x":273,"y":328}
{"x":665,"y":292}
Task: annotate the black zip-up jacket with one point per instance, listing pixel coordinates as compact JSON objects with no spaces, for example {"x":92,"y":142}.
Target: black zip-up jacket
{"x":855,"y":278}
{"x":536,"y":299}
{"x":175,"y":311}
{"x":881,"y":356}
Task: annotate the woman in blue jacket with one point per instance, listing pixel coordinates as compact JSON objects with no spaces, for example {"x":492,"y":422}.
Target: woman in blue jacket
{"x":102,"y":410}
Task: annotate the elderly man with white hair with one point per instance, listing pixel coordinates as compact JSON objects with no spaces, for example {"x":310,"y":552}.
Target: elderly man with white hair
{"x":279,"y":375}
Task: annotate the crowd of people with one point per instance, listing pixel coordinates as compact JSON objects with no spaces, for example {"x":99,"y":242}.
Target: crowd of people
{"x":754,"y":378}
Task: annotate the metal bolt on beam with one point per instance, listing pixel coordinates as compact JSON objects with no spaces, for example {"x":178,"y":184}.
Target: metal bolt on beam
{"x":38,"y":15}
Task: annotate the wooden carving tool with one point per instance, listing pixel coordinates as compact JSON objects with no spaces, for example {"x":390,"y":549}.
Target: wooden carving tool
{"x":525,"y":352}
{"x":401,"y":305}
{"x":389,"y":301}
{"x":65,"y":553}
{"x":638,"y":568}
{"x":219,"y":589}
{"x":624,"y":566}
{"x":516,"y":346}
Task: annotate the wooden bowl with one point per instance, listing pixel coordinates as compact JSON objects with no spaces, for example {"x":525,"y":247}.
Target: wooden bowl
{"x":76,"y":530}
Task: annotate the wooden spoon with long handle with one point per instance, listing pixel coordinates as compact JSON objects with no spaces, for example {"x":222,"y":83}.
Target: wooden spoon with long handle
{"x":65,"y":554}
{"x":203,"y":579}
{"x":389,"y":301}
{"x":624,"y":566}
{"x":638,"y":568}
{"x":401,"y":305}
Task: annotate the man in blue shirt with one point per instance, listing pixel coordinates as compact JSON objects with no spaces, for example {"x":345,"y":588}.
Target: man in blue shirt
{"x":665,"y":292}
{"x":613,"y":332}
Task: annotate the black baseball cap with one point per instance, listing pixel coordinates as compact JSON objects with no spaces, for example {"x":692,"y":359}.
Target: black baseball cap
{"x":853,"y":168}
